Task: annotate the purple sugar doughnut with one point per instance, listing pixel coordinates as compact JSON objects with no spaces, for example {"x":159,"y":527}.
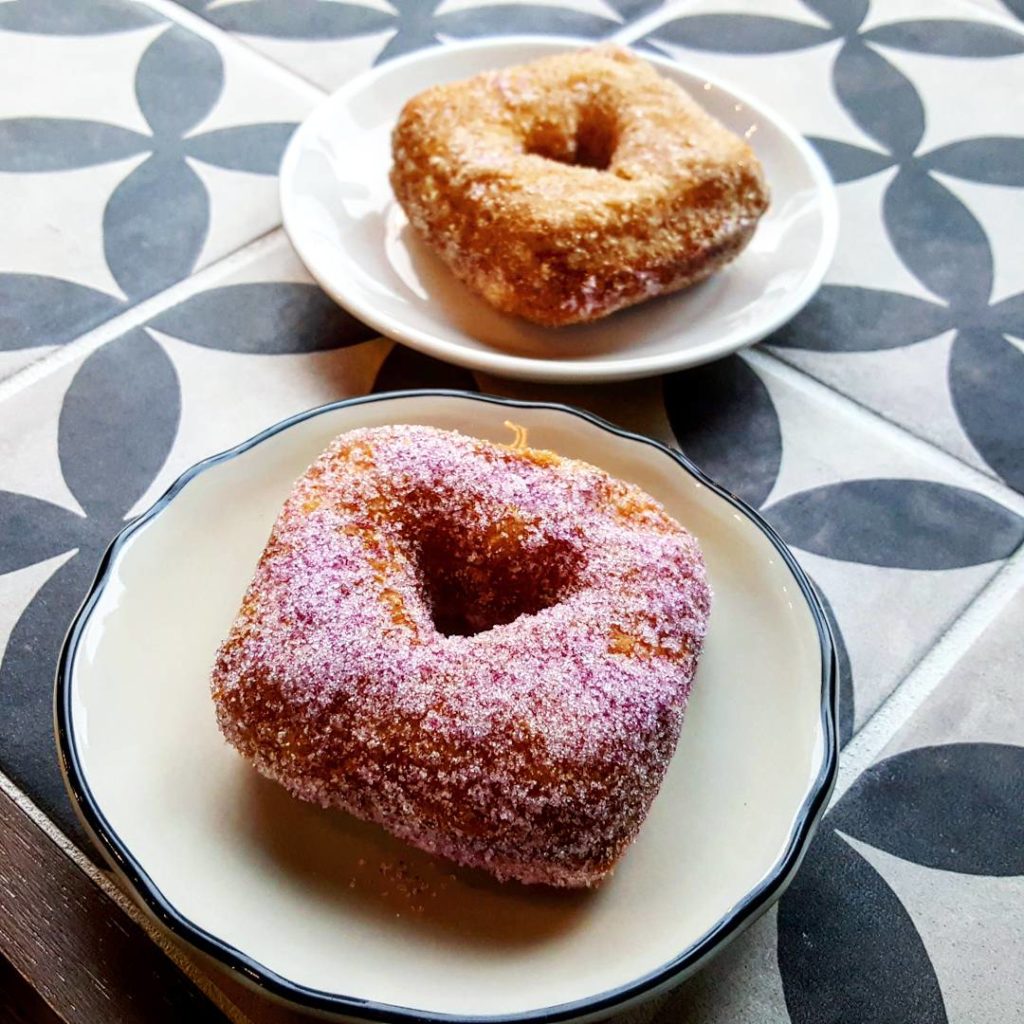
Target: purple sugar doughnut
{"x":485,"y":649}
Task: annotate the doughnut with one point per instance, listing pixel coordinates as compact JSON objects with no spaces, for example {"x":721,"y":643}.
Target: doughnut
{"x":485,"y":649}
{"x":570,"y":187}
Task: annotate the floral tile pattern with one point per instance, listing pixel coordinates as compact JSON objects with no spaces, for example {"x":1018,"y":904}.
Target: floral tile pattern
{"x":954,"y":308}
{"x":328,"y":41}
{"x":136,"y":151}
{"x":156,"y":158}
{"x":924,"y":854}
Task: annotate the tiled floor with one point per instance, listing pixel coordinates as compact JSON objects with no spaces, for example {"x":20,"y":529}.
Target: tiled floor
{"x":926,"y":331}
{"x":129,"y":158}
{"x":329,"y":42}
{"x":165,"y":317}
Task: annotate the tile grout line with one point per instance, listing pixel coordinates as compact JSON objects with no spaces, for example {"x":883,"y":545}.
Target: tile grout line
{"x":919,"y":446}
{"x":106,"y":884}
{"x":924,"y":678}
{"x":881,"y":418}
{"x":135,"y":316}
{"x":637,"y":29}
{"x":198,"y":25}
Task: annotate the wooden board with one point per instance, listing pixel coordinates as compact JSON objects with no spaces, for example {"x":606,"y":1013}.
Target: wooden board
{"x":86,"y":960}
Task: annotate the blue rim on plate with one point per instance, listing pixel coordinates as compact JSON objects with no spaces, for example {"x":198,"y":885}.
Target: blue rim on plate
{"x":687,"y":961}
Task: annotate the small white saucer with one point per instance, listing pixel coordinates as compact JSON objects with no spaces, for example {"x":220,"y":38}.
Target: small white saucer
{"x":348,"y":228}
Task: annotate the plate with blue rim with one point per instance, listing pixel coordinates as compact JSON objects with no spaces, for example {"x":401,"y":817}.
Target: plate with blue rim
{"x":331,"y":914}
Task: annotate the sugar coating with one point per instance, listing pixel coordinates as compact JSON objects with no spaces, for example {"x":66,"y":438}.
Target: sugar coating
{"x":487,"y":650}
{"x":575,"y":185}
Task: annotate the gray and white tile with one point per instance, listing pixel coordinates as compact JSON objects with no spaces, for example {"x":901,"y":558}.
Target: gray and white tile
{"x":328,"y":42}
{"x":929,"y":189}
{"x":129,"y":158}
{"x":923,"y":855}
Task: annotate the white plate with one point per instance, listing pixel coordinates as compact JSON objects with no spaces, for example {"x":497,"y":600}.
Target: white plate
{"x":320,"y":909}
{"x":344,"y":221}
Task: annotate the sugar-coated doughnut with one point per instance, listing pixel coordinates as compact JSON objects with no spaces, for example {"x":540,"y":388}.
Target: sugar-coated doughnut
{"x":485,"y":649}
{"x":578,"y":184}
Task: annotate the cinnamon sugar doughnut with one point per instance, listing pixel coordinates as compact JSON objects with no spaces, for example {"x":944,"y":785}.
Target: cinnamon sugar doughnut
{"x":486,"y":650}
{"x":567,"y":188}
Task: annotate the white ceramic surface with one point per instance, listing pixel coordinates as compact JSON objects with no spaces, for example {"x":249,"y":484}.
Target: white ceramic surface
{"x":351,"y":233}
{"x":314,"y":900}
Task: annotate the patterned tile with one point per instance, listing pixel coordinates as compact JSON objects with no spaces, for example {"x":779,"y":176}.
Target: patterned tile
{"x":922,"y":314}
{"x":328,"y":41}
{"x":924,"y":854}
{"x":132,"y":153}
{"x":1011,"y":8}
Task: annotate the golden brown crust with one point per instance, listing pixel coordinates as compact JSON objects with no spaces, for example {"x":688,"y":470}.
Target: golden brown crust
{"x":578,"y":184}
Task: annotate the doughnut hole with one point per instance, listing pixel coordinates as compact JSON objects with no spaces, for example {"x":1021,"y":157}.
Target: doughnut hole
{"x":476,"y":576}
{"x":587,"y":140}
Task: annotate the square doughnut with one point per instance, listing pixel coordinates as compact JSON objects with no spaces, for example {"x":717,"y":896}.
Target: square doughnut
{"x":578,"y":184}
{"x":487,"y":650}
